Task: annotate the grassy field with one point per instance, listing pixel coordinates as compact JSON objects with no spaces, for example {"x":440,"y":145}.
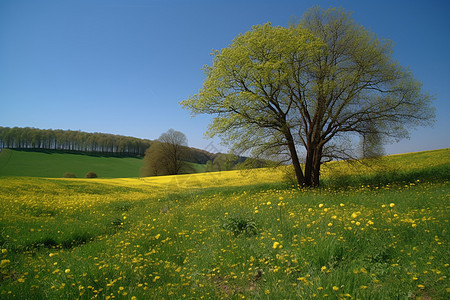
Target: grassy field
{"x":236,"y":234}
{"x":55,"y":164}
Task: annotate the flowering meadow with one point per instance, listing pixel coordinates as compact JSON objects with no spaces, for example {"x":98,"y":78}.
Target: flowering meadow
{"x":235,"y":234}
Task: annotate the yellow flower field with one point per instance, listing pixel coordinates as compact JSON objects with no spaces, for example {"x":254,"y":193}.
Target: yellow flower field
{"x":236,"y":234}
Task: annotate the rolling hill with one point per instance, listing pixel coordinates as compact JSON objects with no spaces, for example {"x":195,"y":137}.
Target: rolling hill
{"x":375,"y":234}
{"x":55,"y":163}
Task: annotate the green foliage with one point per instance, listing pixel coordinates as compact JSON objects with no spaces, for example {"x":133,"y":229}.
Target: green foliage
{"x":45,"y":139}
{"x":311,"y":86}
{"x":241,"y":225}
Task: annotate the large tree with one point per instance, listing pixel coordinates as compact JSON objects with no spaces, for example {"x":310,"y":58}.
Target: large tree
{"x":309,"y":87}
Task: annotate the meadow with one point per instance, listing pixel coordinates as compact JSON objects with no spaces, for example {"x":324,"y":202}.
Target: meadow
{"x":379,"y":231}
{"x":53,"y":163}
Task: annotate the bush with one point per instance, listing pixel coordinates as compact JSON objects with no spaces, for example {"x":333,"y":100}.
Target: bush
{"x":69,"y":175}
{"x":238,"y":225}
{"x":91,"y":175}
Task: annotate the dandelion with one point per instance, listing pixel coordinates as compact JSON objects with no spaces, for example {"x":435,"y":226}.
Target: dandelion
{"x":268,"y":203}
{"x":323,"y":269}
{"x":354,"y":215}
{"x":392,"y":204}
{"x":421,"y":286}
{"x":275,"y":245}
{"x":330,"y":224}
{"x":67,"y":271}
{"x":320,"y":205}
{"x":335,"y":288}
{"x":157,"y":236}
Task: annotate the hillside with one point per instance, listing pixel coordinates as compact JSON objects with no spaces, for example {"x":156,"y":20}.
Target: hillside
{"x":56,"y":163}
{"x":229,"y":235}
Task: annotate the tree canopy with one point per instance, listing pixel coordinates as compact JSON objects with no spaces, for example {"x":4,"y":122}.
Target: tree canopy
{"x":167,"y":155}
{"x":33,"y":138}
{"x":313,"y":86}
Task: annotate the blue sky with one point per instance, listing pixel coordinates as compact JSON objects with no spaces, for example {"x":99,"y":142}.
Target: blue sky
{"x":122,"y":67}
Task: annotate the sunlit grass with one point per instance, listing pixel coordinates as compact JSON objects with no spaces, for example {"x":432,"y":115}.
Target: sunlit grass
{"x":164,"y":237}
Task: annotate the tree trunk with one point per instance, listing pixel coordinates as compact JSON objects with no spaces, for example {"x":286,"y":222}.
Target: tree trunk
{"x":316,"y":166}
{"x":295,"y":161}
{"x":312,"y":165}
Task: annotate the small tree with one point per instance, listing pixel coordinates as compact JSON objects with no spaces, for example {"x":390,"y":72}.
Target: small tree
{"x":167,"y":155}
{"x":155,"y":163}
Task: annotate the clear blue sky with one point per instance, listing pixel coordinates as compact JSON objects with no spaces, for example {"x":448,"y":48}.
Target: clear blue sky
{"x":121,"y":67}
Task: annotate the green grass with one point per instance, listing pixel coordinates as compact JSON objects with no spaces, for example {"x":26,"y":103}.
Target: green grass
{"x":195,"y":168}
{"x":66,"y":238}
{"x":432,"y":165}
{"x":55,"y":164}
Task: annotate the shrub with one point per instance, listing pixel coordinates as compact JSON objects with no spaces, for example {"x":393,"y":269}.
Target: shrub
{"x":238,"y":225}
{"x":69,"y":175}
{"x":91,"y":175}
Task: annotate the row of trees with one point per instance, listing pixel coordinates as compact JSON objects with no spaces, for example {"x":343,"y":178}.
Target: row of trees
{"x":33,"y":138}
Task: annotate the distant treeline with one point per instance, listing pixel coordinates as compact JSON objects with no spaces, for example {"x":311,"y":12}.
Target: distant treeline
{"x":33,"y":138}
